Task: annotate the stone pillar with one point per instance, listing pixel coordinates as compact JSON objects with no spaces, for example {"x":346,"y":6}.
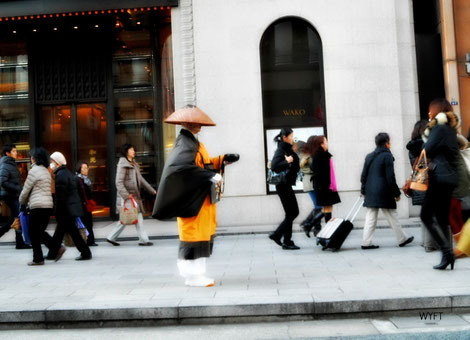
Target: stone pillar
{"x":187,"y":52}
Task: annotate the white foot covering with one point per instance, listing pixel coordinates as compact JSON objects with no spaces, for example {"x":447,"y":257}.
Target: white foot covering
{"x":199,"y":281}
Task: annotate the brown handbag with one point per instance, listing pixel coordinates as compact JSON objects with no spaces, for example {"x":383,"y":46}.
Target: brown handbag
{"x":406,"y":188}
{"x":420,"y":175}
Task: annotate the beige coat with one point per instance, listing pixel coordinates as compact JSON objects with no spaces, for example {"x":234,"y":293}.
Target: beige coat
{"x":305,"y":162}
{"x":37,"y":188}
{"x":129,"y":181}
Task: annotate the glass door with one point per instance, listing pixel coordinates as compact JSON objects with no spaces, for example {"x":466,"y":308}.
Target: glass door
{"x":79,"y":132}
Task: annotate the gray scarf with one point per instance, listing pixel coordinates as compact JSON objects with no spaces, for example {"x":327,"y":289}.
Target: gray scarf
{"x":86,"y":180}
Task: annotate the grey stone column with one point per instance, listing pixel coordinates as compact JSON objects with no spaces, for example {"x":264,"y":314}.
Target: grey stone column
{"x":187,"y":52}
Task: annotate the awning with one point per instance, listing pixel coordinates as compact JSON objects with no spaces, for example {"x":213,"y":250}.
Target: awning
{"x":19,"y":8}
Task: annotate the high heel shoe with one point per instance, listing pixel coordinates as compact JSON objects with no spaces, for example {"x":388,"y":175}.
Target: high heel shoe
{"x":447,"y":259}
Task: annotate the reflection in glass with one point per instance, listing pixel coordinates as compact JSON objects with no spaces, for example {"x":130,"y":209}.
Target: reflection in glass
{"x":138,"y":134}
{"x":169,"y":130}
{"x":55,"y":130}
{"x":20,"y":139}
{"x":91,"y":138}
{"x":132,"y":43}
{"x":147,"y":167}
{"x":133,"y":105}
{"x":13,"y":79}
{"x":14,"y":113}
{"x":132,"y":72}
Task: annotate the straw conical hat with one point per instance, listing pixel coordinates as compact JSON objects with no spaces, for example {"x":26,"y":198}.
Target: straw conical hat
{"x":189,"y":114}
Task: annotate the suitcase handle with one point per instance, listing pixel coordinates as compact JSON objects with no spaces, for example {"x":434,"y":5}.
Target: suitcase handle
{"x":354,"y":208}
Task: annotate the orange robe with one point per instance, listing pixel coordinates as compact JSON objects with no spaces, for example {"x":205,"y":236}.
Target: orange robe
{"x":201,"y":227}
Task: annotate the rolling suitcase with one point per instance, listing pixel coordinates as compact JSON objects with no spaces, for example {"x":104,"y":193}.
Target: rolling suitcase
{"x":337,"y":229}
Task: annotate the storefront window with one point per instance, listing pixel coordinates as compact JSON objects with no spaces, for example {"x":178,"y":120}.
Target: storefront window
{"x":292,"y":82}
{"x":14,"y":102}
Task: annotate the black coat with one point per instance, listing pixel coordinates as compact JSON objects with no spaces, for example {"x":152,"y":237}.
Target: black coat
{"x":183,"y":186}
{"x":378,"y":181}
{"x":279,"y":163}
{"x":321,"y":179}
{"x":442,"y":149}
{"x":84,"y":192}
{"x":414,"y":147}
{"x":10,"y":178}
{"x":67,"y":198}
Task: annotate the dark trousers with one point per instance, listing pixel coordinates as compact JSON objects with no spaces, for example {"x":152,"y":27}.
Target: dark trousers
{"x":437,"y":205}
{"x":289,"y":203}
{"x":14,"y":206}
{"x":66,"y":224}
{"x":87,"y":220}
{"x":38,"y":221}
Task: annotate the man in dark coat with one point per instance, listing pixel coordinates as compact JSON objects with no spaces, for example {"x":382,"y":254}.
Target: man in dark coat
{"x":10,"y":189}
{"x":68,"y":206}
{"x":380,"y":190}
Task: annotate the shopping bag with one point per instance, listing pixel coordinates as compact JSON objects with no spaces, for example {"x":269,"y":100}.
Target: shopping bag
{"x":68,"y":242}
{"x":129,"y":212}
{"x":24,"y":221}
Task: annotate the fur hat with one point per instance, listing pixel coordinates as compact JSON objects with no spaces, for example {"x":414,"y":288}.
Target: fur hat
{"x":59,"y":158}
{"x":442,"y":118}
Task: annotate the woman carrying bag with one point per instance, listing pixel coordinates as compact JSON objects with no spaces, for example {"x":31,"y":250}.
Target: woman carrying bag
{"x":129,"y":182}
{"x":87,"y":202}
{"x":442,"y":149}
{"x":37,"y":193}
{"x":286,"y":160}
{"x":324,"y":181}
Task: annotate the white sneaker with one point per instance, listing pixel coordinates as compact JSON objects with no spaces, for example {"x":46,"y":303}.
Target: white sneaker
{"x":199,"y":281}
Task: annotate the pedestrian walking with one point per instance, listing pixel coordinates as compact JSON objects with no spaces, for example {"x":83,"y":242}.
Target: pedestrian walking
{"x":129,"y":183}
{"x":68,"y":207}
{"x":37,"y":195}
{"x":286,"y":160}
{"x":323,"y":174}
{"x":441,"y":147}
{"x":380,"y":191}
{"x":314,"y":217}
{"x":10,"y":189}
{"x":414,"y":147}
{"x":88,"y":204}
{"x":188,"y":190}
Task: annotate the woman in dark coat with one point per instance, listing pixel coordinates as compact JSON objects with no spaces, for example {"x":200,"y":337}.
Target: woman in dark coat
{"x":87,"y":203}
{"x":285,"y":159}
{"x":381,"y":191}
{"x":324,"y":182}
{"x":442,"y":149}
{"x":414,"y":146}
{"x":68,"y":207}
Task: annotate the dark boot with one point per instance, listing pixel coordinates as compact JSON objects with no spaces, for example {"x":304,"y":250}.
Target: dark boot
{"x":327,"y":217}
{"x":444,"y":240}
{"x":311,"y":221}
{"x":448,"y":257}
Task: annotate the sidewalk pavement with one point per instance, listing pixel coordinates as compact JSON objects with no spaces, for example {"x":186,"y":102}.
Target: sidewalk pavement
{"x":255,"y":279}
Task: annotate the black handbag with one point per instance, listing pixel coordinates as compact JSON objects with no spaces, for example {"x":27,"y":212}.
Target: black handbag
{"x":275,"y":178}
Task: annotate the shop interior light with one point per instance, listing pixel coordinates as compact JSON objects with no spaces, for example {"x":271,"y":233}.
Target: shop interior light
{"x":35,"y":30}
{"x":138,"y":22}
{"x":96,"y":26}
{"x":55,"y":28}
{"x":14,"y":32}
{"x":75,"y":27}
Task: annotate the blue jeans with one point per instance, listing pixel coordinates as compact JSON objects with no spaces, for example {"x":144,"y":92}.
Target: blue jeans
{"x":314,"y":199}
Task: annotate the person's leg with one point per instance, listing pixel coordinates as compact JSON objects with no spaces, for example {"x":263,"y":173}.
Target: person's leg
{"x":369,"y":226}
{"x":143,"y":237}
{"x":391,"y":217}
{"x":289,"y":203}
{"x":46,"y":239}
{"x":57,"y":238}
{"x":281,"y":192}
{"x":35,"y":234}
{"x":116,"y":231}
{"x":87,"y":220}
{"x":80,"y":244}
